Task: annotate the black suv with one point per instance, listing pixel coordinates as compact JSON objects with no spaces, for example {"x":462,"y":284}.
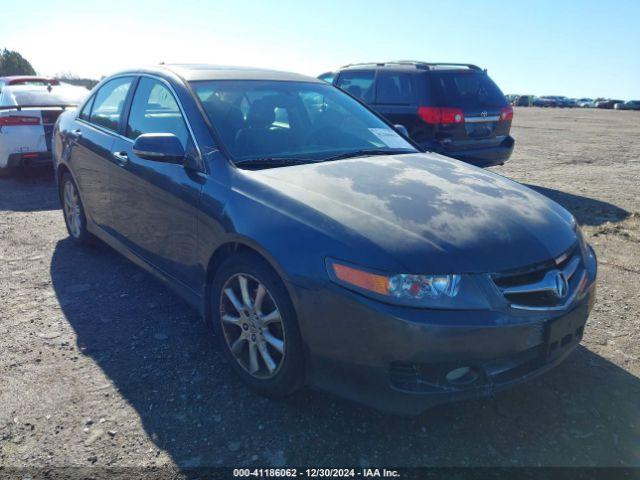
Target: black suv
{"x":449,"y":108}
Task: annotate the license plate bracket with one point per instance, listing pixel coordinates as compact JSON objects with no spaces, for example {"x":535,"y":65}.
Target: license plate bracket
{"x":564,"y":332}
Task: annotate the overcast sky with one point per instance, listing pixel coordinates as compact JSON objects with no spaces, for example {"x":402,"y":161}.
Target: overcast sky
{"x":560,"y":47}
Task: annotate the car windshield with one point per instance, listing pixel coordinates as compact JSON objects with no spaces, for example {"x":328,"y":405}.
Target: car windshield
{"x":306,"y":121}
{"x":28,"y":95}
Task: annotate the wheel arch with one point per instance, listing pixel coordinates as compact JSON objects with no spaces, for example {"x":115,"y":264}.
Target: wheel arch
{"x":234,"y":246}
{"x":60,"y":171}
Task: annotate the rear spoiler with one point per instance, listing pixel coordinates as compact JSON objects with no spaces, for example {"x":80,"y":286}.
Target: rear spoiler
{"x":20,"y":107}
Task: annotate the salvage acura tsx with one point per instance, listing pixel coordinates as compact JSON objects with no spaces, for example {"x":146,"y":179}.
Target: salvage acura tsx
{"x":322,"y":247}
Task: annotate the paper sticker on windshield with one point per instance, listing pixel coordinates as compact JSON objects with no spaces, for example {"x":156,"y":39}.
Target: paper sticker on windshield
{"x":389,"y":138}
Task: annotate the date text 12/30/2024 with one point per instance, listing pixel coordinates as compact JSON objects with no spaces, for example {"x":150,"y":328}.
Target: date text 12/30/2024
{"x":315,"y":473}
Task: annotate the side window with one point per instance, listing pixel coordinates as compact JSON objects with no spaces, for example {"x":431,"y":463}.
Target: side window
{"x":109,"y":103}
{"x":155,"y":110}
{"x":358,"y":83}
{"x":85,"y":114}
{"x":327,"y":77}
{"x":394,"y":88}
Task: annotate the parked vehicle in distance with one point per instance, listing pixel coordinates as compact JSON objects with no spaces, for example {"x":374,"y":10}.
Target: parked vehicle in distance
{"x":27,"y":80}
{"x":609,"y":103}
{"x":585,"y":103}
{"x":547,"y":101}
{"x":629,"y":105}
{"x":27,"y":115}
{"x":557,"y":101}
{"x":522,"y":101}
{"x":448,"y":108}
{"x":323,"y":247}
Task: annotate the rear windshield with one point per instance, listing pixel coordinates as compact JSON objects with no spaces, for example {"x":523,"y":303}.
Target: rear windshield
{"x":465,"y":89}
{"x":25,"y":96}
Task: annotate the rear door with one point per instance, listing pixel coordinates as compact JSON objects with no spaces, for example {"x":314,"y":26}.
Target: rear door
{"x":90,"y":158}
{"x":481,"y":102}
{"x":154,"y":204}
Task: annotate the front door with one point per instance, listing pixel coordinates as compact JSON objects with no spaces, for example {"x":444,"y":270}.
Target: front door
{"x":154,"y":204}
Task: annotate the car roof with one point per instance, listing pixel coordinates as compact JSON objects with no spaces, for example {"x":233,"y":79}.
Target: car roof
{"x":197,"y":72}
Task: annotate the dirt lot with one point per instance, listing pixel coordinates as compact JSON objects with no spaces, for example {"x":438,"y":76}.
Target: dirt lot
{"x":101,"y":365}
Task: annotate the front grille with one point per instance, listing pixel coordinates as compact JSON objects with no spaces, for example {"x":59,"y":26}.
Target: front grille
{"x":542,"y":286}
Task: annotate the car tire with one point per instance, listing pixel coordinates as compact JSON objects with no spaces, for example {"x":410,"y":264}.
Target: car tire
{"x":73,"y":211}
{"x":234,"y":316}
{"x":6,"y":172}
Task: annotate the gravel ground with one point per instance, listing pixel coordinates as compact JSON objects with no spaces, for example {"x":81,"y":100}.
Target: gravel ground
{"x":101,"y":365}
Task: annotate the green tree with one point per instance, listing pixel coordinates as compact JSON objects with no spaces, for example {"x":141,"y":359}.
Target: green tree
{"x":12,"y":63}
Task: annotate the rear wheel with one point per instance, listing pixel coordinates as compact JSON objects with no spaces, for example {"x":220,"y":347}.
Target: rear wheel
{"x":255,"y":320}
{"x":73,"y":210}
{"x":6,"y":172}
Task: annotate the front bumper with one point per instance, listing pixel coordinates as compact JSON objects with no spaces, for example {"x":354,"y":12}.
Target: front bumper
{"x":396,"y":359}
{"x":480,"y":157}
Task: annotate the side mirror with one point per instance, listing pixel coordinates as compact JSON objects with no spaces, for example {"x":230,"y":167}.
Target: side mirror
{"x":402,"y":130}
{"x":159,"y":147}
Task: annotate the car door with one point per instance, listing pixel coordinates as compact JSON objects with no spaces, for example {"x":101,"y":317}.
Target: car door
{"x":90,"y":155}
{"x":397,"y":95}
{"x":154,"y":204}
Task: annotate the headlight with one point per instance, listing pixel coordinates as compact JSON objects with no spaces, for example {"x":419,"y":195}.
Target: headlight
{"x":450,"y":291}
{"x":582,"y":243}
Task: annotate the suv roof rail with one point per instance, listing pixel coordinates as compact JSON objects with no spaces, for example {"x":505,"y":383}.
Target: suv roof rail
{"x":377,"y":64}
{"x":417,"y":64}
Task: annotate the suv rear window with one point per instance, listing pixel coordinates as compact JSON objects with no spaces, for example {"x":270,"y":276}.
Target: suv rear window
{"x":465,"y":89}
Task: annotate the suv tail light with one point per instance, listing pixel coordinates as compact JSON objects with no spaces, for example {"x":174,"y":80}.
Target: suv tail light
{"x":18,"y":120}
{"x":440,"y":115}
{"x":506,"y":113}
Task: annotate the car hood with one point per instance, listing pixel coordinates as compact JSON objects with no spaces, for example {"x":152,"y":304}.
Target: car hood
{"x":432,"y":214}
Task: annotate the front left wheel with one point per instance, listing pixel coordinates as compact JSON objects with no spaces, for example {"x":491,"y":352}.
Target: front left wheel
{"x":256,"y":322}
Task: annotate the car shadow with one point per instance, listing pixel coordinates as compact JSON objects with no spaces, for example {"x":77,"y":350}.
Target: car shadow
{"x":164,"y":362}
{"x":588,"y":211}
{"x":29,"y":190}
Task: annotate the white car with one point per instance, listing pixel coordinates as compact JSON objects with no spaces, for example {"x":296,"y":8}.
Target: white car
{"x":27,"y":116}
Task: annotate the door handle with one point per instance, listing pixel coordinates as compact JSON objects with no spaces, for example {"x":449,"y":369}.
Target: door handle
{"x":121,"y":158}
{"x":76,"y":134}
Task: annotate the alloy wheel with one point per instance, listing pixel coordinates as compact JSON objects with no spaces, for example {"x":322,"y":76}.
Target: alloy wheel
{"x":72,"y":210}
{"x":252,"y":326}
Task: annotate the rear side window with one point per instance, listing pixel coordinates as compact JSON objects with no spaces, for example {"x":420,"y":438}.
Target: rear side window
{"x":358,"y":83}
{"x":465,"y":89}
{"x":395,"y":88}
{"x":109,"y":103}
{"x":327,"y":77}
{"x":85,"y":114}
{"x":155,"y":110}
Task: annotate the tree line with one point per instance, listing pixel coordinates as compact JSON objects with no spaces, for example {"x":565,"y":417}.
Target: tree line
{"x":12,"y":63}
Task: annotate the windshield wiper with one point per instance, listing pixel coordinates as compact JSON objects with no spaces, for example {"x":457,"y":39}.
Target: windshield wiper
{"x":272,"y":161}
{"x":365,"y":152}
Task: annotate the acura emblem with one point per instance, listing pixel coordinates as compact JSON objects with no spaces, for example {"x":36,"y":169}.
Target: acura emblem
{"x":483,"y":113}
{"x":561,"y":285}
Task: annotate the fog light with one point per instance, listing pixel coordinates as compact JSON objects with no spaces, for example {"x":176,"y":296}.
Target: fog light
{"x":461,"y":376}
